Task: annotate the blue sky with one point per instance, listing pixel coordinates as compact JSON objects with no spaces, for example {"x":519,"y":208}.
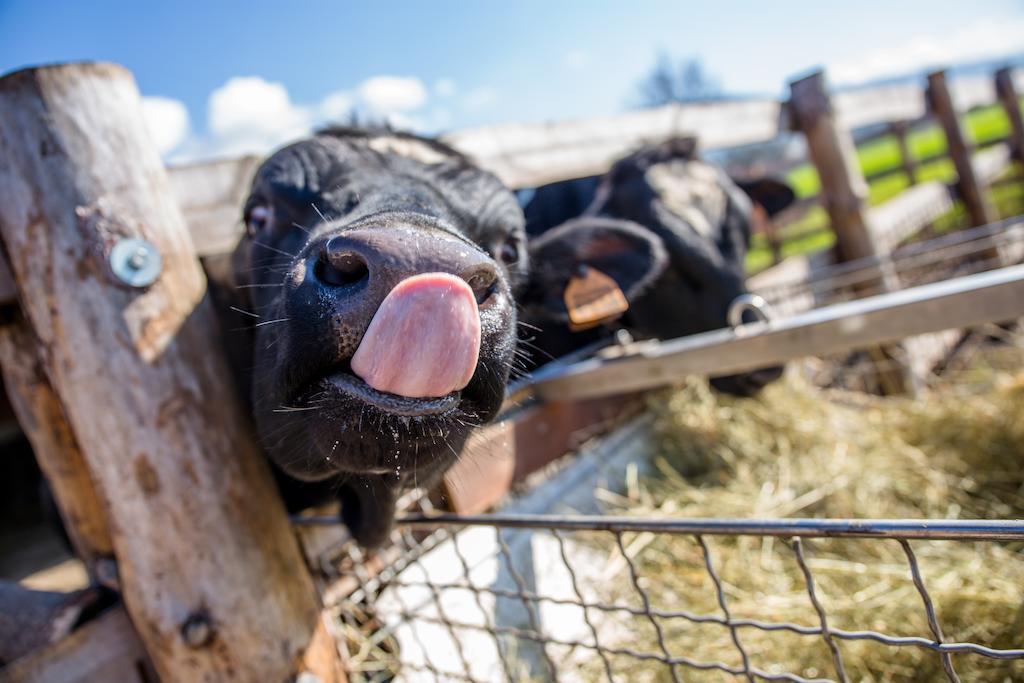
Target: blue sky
{"x":232,"y":77}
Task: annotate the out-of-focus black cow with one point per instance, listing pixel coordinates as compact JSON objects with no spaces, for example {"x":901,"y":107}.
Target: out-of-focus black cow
{"x":670,"y":229}
{"x":374,"y":289}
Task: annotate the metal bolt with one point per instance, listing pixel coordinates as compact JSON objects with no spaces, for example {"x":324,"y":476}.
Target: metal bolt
{"x":197,"y":630}
{"x":135,"y":262}
{"x":105,"y":570}
{"x":138,"y":259}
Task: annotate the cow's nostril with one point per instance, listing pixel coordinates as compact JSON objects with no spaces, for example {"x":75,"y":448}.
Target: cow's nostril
{"x":483,"y":282}
{"x":341,"y":267}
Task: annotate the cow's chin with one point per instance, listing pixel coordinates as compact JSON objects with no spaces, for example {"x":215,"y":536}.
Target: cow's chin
{"x":345,"y":428}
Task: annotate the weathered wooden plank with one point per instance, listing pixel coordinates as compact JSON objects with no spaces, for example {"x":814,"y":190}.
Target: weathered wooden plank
{"x":844,"y":196}
{"x":1006,"y":90}
{"x":105,"y":650}
{"x":967,"y":184}
{"x":41,"y":416}
{"x":905,"y":215}
{"x":34,"y":619}
{"x":831,"y":149}
{"x":907,"y":163}
{"x":528,"y":155}
{"x":211,"y":195}
{"x":209,"y":569}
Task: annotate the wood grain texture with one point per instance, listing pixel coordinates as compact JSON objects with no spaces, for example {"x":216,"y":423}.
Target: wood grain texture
{"x":197,"y":526}
{"x":844,"y":196}
{"x":1006,"y":90}
{"x":106,"y":650}
{"x":41,"y":416}
{"x":831,"y":149}
{"x":941,"y":104}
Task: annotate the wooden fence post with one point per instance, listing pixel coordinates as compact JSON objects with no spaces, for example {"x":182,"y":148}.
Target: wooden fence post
{"x":843,"y":188}
{"x":844,"y":194}
{"x":210,"y":571}
{"x":968,"y":188}
{"x":1007,"y":94}
{"x":41,"y":416}
{"x":900,"y":129}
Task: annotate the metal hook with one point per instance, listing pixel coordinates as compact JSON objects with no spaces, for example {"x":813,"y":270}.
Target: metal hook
{"x":754,"y":303}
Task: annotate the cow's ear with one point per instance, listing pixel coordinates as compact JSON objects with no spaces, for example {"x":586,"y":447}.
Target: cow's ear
{"x":624,"y":251}
{"x":774,"y":195}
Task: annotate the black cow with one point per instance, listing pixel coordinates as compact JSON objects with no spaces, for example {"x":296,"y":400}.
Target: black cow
{"x":375,"y":285}
{"x":671,"y":229}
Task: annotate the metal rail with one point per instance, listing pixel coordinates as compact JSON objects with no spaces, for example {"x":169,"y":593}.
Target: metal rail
{"x":993,"y":296}
{"x":931,"y":529}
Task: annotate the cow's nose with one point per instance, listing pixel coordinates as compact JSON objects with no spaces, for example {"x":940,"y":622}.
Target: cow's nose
{"x":349,"y":261}
{"x":341,"y":263}
{"x":352,"y":272}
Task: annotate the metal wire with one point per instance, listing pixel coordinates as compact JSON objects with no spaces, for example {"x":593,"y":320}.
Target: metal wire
{"x":796,"y":532}
{"x":586,"y":615}
{"x":720,"y":595}
{"x":646,"y":603}
{"x":961,"y":248}
{"x":929,"y":609}
{"x":826,"y":634}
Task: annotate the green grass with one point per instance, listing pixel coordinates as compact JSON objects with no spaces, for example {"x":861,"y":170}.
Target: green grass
{"x":811,"y":232}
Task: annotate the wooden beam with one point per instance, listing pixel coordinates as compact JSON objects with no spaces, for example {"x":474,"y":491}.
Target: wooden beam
{"x":994,"y":296}
{"x":909,"y":166}
{"x":528,"y":155}
{"x":844,"y":195}
{"x":41,"y":416}
{"x":968,"y":187}
{"x":831,"y":149}
{"x":1006,"y":91}
{"x":210,"y":571}
{"x":105,"y":649}
{"x":903,"y":216}
{"x":211,"y":195}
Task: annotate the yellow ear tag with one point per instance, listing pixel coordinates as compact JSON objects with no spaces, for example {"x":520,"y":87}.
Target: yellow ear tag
{"x":592,"y":298}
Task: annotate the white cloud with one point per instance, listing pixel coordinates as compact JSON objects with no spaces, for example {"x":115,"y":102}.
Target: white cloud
{"x":167,"y":122}
{"x":249,"y":114}
{"x":392,"y":94}
{"x":981,"y":40}
{"x":479,"y":98}
{"x":445,"y":87}
{"x":335,"y":107}
{"x":576,"y":59}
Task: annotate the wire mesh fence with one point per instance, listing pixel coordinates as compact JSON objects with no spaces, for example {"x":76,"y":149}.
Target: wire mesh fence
{"x":920,"y":262}
{"x":524,"y":598}
{"x":955,"y":254}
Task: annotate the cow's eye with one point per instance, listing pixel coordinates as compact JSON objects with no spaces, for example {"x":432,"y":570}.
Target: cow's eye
{"x":257,"y":219}
{"x":509,"y":252}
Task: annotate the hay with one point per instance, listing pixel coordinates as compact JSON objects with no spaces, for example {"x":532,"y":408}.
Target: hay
{"x":957,"y":451}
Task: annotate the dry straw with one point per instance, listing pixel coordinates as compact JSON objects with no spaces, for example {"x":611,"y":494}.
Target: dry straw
{"x":956,"y":451}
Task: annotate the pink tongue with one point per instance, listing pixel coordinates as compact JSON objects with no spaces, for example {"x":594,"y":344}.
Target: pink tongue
{"x":424,"y":339}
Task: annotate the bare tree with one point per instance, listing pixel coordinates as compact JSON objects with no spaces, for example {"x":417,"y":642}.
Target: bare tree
{"x":682,"y":81}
